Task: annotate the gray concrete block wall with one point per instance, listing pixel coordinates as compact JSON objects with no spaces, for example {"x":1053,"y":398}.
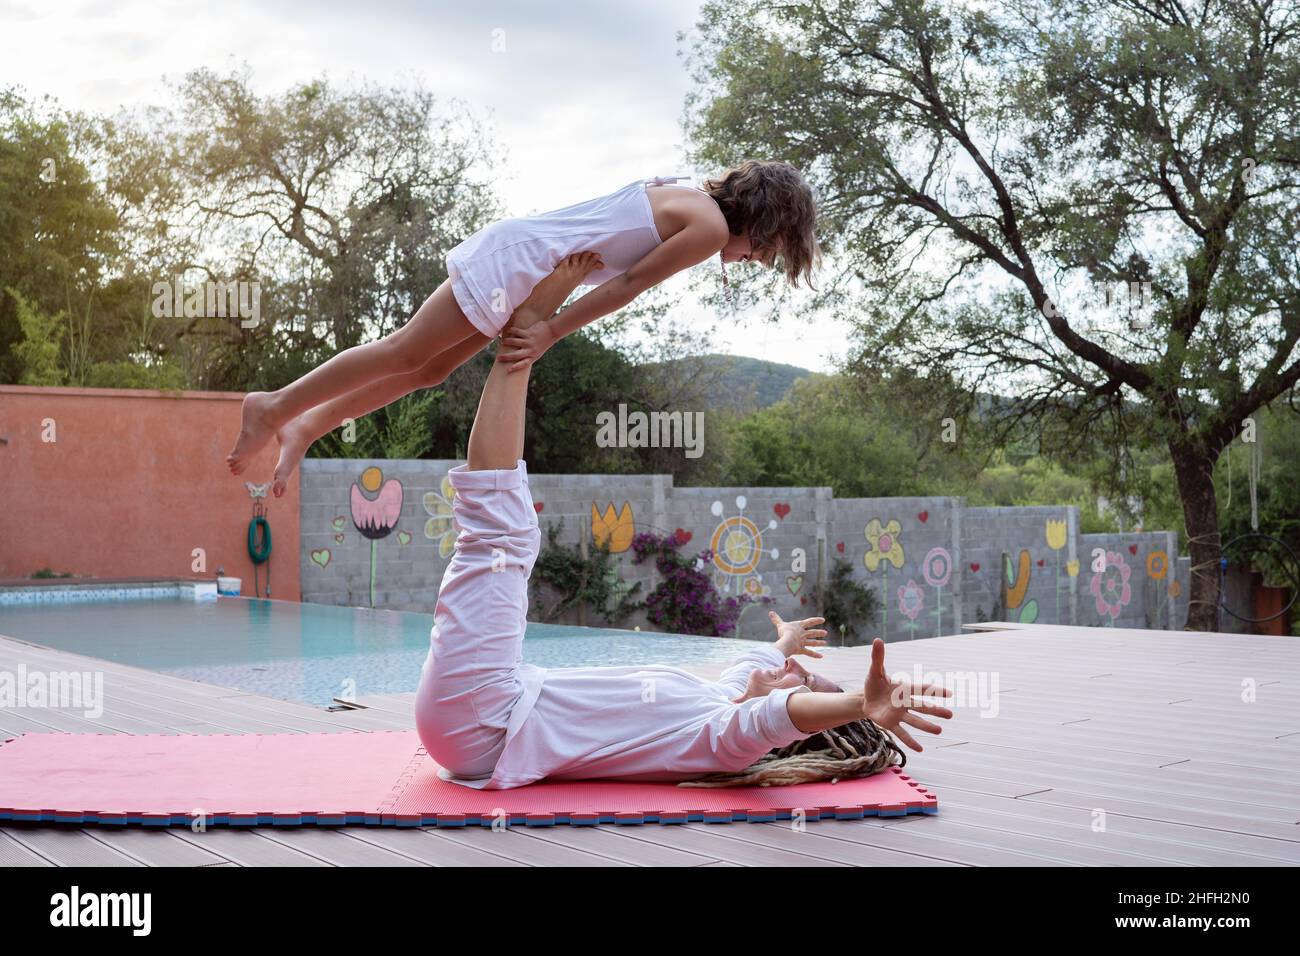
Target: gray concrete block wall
{"x":772,"y":544}
{"x":1142,"y":560}
{"x":1039,"y":543}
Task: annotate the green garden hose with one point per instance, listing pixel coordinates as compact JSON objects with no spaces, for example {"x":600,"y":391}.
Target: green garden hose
{"x":260,"y":552}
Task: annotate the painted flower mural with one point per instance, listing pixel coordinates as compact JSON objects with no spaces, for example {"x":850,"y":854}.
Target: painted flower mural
{"x":936,"y":568}
{"x":1158,"y":570}
{"x":375,"y":517}
{"x":885,"y":549}
{"x":612,"y":530}
{"x":1015,"y":585}
{"x":441,"y":526}
{"x":911,"y":601}
{"x":1110,"y":586}
{"x":1157,"y":565}
{"x":885,"y":545}
{"x":1057,"y":536}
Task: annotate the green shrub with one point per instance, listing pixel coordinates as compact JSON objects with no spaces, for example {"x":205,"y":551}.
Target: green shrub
{"x":563,"y":579}
{"x":847,"y":604}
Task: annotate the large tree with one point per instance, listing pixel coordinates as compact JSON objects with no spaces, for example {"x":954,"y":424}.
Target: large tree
{"x":341,"y":201}
{"x":989,"y":172}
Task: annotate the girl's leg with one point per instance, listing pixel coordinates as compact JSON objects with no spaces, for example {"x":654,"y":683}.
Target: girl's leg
{"x":496,"y":442}
{"x":298,"y":435}
{"x":437,"y":325}
{"x":471,"y":679}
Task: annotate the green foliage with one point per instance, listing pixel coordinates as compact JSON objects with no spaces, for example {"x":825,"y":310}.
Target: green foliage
{"x":402,"y":430}
{"x":828,"y":432}
{"x":985,"y":204}
{"x":847,"y":604}
{"x":38,"y":351}
{"x":563,"y":579}
{"x":49,"y":573}
{"x":125,"y":374}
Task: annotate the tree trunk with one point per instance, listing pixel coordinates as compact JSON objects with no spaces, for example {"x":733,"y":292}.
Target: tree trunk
{"x":1195,"y":475}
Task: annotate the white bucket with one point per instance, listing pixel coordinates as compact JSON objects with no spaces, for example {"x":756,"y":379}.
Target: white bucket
{"x":204,"y":591}
{"x":228,"y":586}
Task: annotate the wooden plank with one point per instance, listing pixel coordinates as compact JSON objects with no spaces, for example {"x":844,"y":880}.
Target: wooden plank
{"x":154,"y":847}
{"x":338,"y":847}
{"x":614,"y":843}
{"x":13,"y":853}
{"x":712,"y":841}
{"x":1150,"y":838}
{"x":247,"y":848}
{"x":428,"y":845}
{"x":511,"y":844}
{"x":66,"y":846}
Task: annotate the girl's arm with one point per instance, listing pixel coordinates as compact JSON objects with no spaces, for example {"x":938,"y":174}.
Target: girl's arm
{"x":690,"y":246}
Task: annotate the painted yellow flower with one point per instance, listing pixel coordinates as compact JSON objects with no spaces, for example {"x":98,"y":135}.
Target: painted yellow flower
{"x":1056,"y":535}
{"x":1175,"y":588}
{"x":885,"y":545}
{"x":611,"y":530}
{"x":1157,"y":565}
{"x":1072,"y":568}
{"x":441,"y":527}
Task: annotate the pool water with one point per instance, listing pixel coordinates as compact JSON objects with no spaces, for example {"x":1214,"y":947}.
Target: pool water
{"x":313,"y":652}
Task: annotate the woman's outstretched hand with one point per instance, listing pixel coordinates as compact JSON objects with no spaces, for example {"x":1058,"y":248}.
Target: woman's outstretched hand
{"x":798,"y":637}
{"x":891,"y":703}
{"x":520,"y":348}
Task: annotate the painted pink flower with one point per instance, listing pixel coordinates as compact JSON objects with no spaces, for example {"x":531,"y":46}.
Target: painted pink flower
{"x":936,"y":568}
{"x":376,"y":517}
{"x":1110,"y":586}
{"x":911,"y":599}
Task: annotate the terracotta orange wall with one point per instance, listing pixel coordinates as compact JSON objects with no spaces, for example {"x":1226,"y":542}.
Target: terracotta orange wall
{"x":135,"y":481}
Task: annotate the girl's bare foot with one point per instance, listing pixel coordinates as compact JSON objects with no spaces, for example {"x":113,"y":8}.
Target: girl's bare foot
{"x":549,"y":294}
{"x":294,"y":438}
{"x":255,"y":430}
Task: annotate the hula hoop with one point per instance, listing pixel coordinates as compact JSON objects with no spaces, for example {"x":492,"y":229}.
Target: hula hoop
{"x":1223,"y":567}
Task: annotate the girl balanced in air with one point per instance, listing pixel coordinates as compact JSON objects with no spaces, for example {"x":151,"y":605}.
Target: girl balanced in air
{"x":492,"y":721}
{"x":642,"y":234}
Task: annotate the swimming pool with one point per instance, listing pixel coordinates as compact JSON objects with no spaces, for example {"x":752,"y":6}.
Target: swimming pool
{"x":312,"y":652}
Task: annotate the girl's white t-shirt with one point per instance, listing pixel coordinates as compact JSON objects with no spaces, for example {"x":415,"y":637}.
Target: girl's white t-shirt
{"x":495,"y":269}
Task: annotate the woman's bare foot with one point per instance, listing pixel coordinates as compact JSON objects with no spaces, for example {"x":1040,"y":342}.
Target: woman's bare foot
{"x":256,"y":428}
{"x":549,"y":294}
{"x":294,"y":438}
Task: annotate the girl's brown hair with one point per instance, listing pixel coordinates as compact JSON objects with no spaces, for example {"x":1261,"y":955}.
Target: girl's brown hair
{"x":772,"y":202}
{"x":856,"y":749}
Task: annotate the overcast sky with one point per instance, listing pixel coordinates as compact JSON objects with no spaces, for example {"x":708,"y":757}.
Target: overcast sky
{"x":585,"y":96}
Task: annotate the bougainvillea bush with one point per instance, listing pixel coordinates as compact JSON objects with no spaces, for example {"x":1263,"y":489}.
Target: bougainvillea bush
{"x":685,"y":600}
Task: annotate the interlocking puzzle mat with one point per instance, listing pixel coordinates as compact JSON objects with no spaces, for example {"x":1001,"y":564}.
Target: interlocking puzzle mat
{"x":377,"y":779}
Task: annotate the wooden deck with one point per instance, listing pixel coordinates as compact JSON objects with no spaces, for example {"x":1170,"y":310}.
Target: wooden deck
{"x":1108,"y":747}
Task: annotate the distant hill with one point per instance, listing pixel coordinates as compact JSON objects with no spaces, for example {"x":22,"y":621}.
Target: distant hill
{"x":747,"y":383}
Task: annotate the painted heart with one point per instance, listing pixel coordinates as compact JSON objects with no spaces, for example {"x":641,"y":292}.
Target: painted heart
{"x":538,"y":506}
{"x":1041,"y":562}
{"x":339,"y":522}
{"x":923,"y":516}
{"x":1132,"y":549}
{"x":321,"y":557}
{"x":781,"y":510}
{"x":803,"y":599}
{"x":794,"y":583}
{"x":338,"y":538}
{"x":839,"y":546}
{"x":975,"y":567}
{"x":682,"y":536}
{"x":403,"y":537}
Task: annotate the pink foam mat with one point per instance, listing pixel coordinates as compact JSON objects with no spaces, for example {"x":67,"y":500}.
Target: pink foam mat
{"x":379,"y":779}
